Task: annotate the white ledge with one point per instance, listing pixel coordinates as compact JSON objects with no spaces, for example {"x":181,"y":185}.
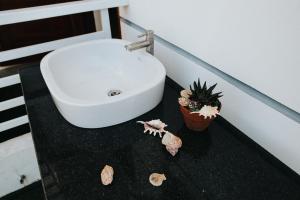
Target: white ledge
{"x":13,"y":123}
{"x":9,"y":80}
{"x":49,"y":46}
{"x":11,"y":103}
{"x":54,"y":10}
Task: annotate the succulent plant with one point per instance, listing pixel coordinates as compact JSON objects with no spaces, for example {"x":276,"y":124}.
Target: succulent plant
{"x":203,"y":95}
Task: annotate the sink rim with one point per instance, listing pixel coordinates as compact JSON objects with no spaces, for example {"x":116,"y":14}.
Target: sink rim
{"x":60,"y":95}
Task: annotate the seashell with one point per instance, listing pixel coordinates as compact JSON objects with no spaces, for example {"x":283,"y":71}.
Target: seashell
{"x":172,"y":142}
{"x":157,"y":179}
{"x":185,"y":93}
{"x":172,"y":151}
{"x":183,"y":101}
{"x":107,"y":175}
{"x":208,"y":111}
{"x":170,"y":139}
{"x":154,"y":126}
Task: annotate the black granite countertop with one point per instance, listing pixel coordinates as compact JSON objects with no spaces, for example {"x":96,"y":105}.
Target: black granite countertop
{"x":219,"y":163}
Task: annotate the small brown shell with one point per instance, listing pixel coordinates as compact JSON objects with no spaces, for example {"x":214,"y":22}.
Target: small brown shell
{"x":157,"y":179}
{"x":107,"y":174}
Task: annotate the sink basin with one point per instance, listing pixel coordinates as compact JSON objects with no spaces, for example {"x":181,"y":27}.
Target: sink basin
{"x":98,"y":83}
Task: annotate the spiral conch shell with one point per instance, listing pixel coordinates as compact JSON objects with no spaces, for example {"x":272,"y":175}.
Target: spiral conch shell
{"x":208,"y":111}
{"x":154,"y":126}
{"x":107,"y":175}
{"x":157,"y":179}
{"x":172,"y":142}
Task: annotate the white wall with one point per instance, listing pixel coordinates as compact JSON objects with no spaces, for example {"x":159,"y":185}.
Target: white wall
{"x":255,"y":41}
{"x":271,"y":129}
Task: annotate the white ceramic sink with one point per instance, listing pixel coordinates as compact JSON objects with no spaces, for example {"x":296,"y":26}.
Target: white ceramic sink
{"x":80,"y":78}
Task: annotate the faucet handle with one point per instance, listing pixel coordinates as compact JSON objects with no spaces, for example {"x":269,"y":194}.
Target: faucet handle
{"x":148,"y":33}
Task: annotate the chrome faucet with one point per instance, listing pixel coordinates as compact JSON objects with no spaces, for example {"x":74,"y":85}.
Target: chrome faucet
{"x":148,"y":43}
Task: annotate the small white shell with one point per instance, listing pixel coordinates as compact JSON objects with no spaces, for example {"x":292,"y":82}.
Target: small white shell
{"x":107,"y":175}
{"x":185,"y":93}
{"x":157,"y":179}
{"x":172,"y":142}
{"x":154,"y":126}
{"x":208,"y":111}
{"x":183,"y":101}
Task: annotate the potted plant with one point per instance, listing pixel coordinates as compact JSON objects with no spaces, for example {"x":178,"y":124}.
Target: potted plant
{"x":199,"y":105}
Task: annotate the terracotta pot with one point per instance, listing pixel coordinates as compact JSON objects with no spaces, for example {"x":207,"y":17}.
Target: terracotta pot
{"x":193,"y":121}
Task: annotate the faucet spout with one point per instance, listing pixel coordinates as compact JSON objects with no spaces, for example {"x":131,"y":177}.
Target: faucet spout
{"x":137,"y":45}
{"x":148,"y":43}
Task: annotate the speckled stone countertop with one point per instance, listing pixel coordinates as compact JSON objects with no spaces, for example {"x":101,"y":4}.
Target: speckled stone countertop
{"x":220,"y":163}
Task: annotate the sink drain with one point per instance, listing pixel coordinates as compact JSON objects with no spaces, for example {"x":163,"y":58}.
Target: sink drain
{"x":112,"y":93}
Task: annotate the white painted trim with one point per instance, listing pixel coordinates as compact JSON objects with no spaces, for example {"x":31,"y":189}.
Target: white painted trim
{"x":49,"y":46}
{"x":54,"y":10}
{"x":11,"y":103}
{"x":9,"y":80}
{"x":13,"y":123}
{"x":105,"y":23}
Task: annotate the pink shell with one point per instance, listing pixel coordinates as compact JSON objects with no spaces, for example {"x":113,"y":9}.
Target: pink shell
{"x":172,"y":151}
{"x":172,"y":142}
{"x":107,"y":175}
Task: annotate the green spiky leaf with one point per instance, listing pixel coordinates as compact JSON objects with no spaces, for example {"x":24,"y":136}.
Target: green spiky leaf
{"x":204,"y":88}
{"x":204,"y":95}
{"x":210,"y":89}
